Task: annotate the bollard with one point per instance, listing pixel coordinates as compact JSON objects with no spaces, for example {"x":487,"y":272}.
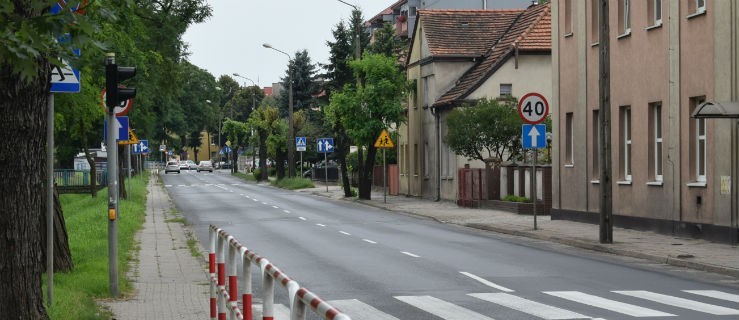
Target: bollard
{"x":268,"y":307}
{"x":246,"y":286}
{"x":232,"y":278}
{"x":220,"y":257}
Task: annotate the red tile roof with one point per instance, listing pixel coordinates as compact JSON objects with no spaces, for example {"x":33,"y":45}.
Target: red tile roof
{"x":466,"y":33}
{"x":530,"y":30}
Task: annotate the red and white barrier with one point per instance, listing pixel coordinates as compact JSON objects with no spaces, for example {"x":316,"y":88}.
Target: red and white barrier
{"x":223,"y":301}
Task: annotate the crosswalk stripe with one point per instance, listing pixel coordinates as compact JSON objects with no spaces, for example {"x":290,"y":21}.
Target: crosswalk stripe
{"x":359,"y":310}
{"x":603,"y":303}
{"x":681,"y":303}
{"x":486,"y":282}
{"x":716,"y":294}
{"x":527,"y":306}
{"x":441,"y":308}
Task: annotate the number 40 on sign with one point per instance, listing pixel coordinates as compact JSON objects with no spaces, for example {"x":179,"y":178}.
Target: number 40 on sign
{"x":533,"y":108}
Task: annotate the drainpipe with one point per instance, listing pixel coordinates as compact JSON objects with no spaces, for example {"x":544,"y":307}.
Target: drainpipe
{"x":484,"y":4}
{"x":435,"y":112}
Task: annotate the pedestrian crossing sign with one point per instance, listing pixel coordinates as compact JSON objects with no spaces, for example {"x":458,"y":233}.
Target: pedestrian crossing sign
{"x":384,"y":141}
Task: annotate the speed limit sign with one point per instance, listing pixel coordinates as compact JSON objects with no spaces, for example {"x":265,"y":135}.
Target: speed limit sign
{"x":533,"y":108}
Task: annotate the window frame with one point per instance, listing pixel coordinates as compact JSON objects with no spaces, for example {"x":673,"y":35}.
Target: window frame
{"x":569,"y":139}
{"x":625,"y":143}
{"x":569,"y":18}
{"x":657,"y":141}
{"x":596,"y":145}
{"x":701,"y":147}
{"x":509,"y":87}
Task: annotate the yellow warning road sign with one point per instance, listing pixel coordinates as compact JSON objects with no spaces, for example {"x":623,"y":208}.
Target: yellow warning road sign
{"x":132,"y":139}
{"x":384,"y":141}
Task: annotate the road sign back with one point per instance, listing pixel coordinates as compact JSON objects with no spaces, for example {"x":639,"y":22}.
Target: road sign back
{"x":384,"y":141}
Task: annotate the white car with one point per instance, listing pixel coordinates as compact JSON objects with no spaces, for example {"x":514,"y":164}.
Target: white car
{"x":172,"y":166}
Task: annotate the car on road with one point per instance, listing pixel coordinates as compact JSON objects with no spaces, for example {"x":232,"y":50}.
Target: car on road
{"x":172,"y":166}
{"x":191,"y":165}
{"x":205,"y":166}
{"x":183,"y":165}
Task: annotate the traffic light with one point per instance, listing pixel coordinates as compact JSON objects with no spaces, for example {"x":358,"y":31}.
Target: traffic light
{"x":115,"y":94}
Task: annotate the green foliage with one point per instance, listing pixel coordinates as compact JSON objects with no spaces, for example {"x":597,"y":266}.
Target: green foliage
{"x":304,"y":84}
{"x":257,"y":173}
{"x":387,"y":42}
{"x":512,"y":198}
{"x":487,"y":130}
{"x":293,"y":183}
{"x":75,"y":292}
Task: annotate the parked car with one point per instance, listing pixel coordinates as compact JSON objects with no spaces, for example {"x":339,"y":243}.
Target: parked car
{"x":172,"y":166}
{"x":184,"y":166}
{"x":332,"y":166}
{"x":225,"y":165}
{"x":191,"y":165}
{"x":205,"y":166}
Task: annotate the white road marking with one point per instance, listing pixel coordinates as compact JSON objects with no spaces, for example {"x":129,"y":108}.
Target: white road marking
{"x":345,"y":233}
{"x":486,"y":282}
{"x":182,"y":185}
{"x":276,"y":207}
{"x":167,"y":185}
{"x":285,"y":211}
{"x":410,"y":254}
{"x":255,"y":200}
{"x":264,"y":203}
{"x":301,"y":218}
{"x":369,"y":241}
{"x":360,"y":310}
{"x":527,"y":306}
{"x":612,"y":305}
{"x":681,"y":303}
{"x":320,"y":225}
{"x":441,"y":308}
{"x":716,"y":294}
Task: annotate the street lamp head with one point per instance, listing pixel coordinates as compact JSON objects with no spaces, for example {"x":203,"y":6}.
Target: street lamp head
{"x":267,"y":45}
{"x":208,"y":101}
{"x":236,"y":74}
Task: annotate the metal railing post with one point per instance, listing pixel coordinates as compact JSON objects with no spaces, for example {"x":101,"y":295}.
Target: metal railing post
{"x":268,"y":308}
{"x":221,"y":278}
{"x":246,"y":285}
{"x":233,"y":289}
{"x":212,"y":270}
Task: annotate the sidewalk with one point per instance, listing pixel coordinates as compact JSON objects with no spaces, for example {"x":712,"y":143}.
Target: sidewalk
{"x":169,"y":282}
{"x":677,"y":251}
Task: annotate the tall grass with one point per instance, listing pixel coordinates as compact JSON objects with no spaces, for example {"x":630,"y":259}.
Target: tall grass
{"x":293,"y":183}
{"x":87,"y":227}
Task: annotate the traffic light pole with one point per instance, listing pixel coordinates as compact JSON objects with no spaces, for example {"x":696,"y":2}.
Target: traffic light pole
{"x":112,"y":191}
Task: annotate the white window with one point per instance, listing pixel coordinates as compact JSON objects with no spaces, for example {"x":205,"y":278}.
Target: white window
{"x":624,"y":16}
{"x":426,"y":160}
{"x":596,"y":144}
{"x":626,"y":142}
{"x":568,"y":17}
{"x":506,"y":90}
{"x":700,"y":150}
{"x":569,"y":140}
{"x":656,"y":140}
{"x":700,"y":6}
{"x":696,"y":7}
{"x":654,"y":11}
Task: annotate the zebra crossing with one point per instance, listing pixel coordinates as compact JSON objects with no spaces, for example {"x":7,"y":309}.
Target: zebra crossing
{"x":724,"y":305}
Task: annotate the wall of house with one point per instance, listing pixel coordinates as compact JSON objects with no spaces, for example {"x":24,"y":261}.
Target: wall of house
{"x":534,"y":74}
{"x":691,"y":54}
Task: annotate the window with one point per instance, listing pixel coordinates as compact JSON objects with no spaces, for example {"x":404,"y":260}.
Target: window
{"x":569,"y":142}
{"x":696,"y":8}
{"x":626,"y":143}
{"x":596,"y":145}
{"x":654,"y":12}
{"x":568,"y":18}
{"x":506,"y":90}
{"x":698,"y":143}
{"x":416,"y":157}
{"x":594,"y":21}
{"x":655,"y":141}
{"x":426,"y":159}
{"x":624,"y":17}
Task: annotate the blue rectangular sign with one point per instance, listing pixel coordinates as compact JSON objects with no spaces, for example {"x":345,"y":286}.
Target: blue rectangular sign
{"x":121,"y":124}
{"x":142,"y":147}
{"x":325,"y":145}
{"x":534,"y":136}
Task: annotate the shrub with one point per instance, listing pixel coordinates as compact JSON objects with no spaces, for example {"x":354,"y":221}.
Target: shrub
{"x":513,"y":198}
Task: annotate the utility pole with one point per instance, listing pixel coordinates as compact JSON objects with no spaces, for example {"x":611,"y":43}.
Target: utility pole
{"x":604,"y":117}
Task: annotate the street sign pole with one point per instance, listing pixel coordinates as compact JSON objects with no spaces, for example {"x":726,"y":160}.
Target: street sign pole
{"x":384,"y":177}
{"x":535,"y":192}
{"x":112,"y":195}
{"x":325,"y":169}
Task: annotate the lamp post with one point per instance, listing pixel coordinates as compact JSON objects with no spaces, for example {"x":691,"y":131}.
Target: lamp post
{"x":357,"y":48}
{"x":208,"y":132}
{"x":253,"y":107}
{"x":291,"y":140}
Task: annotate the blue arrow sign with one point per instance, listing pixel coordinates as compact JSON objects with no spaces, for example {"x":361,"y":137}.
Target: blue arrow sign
{"x":121,"y":124}
{"x":325,"y":145}
{"x":141,"y":147}
{"x":534,"y":136}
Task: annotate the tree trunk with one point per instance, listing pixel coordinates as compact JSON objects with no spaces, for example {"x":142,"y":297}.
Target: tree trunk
{"x":235,"y":159}
{"x":23,"y":185}
{"x":280,"y":165}
{"x":122,"y":175}
{"x":263,"y":154}
{"x":343,"y":144}
{"x":90,"y":161}
{"x":365,"y":175}
{"x":62,"y":254}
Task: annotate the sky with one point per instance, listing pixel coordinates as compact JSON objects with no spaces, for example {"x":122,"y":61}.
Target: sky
{"x":231,"y":40}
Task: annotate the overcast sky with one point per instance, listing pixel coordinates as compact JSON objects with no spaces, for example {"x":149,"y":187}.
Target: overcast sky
{"x":231,"y":40}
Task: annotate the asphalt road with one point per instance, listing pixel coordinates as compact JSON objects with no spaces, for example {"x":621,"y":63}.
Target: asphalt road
{"x":375,"y":264}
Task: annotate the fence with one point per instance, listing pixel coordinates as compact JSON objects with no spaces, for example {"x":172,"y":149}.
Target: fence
{"x":78,"y":181}
{"x":485,"y":187}
{"x":224,"y":300}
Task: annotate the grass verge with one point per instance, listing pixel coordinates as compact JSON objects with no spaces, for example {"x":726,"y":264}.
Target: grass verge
{"x":87,"y":227}
{"x":247,"y":177}
{"x":293,"y":183}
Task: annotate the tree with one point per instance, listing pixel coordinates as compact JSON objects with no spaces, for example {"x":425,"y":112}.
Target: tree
{"x":304,"y":83}
{"x":387,"y":42}
{"x":487,"y":131}
{"x":365,"y":111}
{"x":238,"y":133}
{"x":263,"y":120}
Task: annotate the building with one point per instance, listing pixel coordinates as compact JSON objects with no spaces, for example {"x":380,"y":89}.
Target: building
{"x":459,"y":56}
{"x":671,"y":173}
